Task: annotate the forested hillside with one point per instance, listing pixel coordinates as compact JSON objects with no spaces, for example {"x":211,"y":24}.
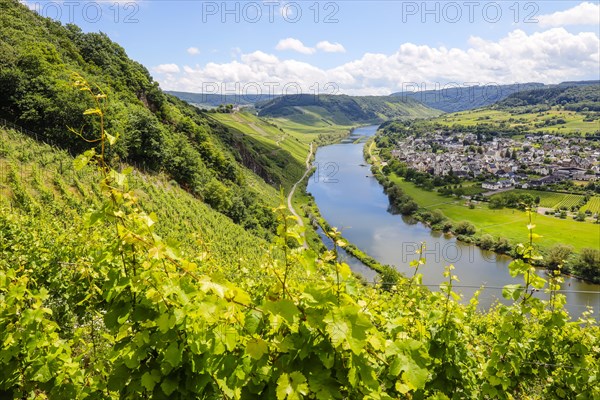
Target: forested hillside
{"x":158,"y":131}
{"x":454,"y":99}
{"x":575,"y":98}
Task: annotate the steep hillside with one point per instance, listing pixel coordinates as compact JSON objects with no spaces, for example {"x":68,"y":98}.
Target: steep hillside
{"x":158,"y":132}
{"x":342,"y":109}
{"x":38,"y":182}
{"x":574,"y":98}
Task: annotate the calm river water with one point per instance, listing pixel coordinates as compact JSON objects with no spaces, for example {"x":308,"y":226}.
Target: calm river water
{"x":350,"y":198}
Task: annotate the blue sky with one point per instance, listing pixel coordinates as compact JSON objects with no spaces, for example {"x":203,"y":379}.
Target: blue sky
{"x":362,"y":47}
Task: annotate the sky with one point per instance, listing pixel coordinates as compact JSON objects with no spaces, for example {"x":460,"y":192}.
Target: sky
{"x":345,"y":47}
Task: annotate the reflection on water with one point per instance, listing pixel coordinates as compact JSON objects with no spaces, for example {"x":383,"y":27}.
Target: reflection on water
{"x":350,"y":198}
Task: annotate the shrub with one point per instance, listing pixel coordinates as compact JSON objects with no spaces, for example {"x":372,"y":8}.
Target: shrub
{"x":487,"y":242}
{"x":587,"y":265}
{"x":557,"y":255}
{"x":465,"y":228}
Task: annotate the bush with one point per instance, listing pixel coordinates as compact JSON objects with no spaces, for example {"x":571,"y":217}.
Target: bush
{"x":587,"y":265}
{"x":447,"y":226}
{"x":465,"y":228}
{"x":502,"y":245}
{"x":437,"y":217}
{"x":389,"y":276}
{"x":487,"y":242}
{"x":557,"y":255}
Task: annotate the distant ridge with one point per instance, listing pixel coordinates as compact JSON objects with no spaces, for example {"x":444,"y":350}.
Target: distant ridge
{"x":343,"y":109}
{"x":211,"y":100}
{"x":454,"y":99}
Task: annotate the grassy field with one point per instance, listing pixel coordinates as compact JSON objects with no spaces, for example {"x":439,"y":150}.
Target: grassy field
{"x":508,"y":223}
{"x":574,"y":122}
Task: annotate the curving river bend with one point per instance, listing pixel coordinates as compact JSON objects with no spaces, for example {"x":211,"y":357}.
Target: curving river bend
{"x":350,"y":198}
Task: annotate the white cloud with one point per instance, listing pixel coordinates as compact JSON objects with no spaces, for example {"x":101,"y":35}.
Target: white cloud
{"x":329,"y":47}
{"x":295,"y":45}
{"x":193,"y":51}
{"x":166,"y":69}
{"x":585,"y":13}
{"x":550,"y":56}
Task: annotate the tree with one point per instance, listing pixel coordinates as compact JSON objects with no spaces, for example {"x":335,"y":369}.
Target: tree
{"x":487,"y":242}
{"x":587,"y":265}
{"x":465,"y":228}
{"x":557,"y":255}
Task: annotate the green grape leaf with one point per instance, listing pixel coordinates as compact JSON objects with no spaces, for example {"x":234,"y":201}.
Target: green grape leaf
{"x":91,"y":111}
{"x":169,"y":386}
{"x":83,"y":159}
{"x":256,"y":348}
{"x":285,"y":308}
{"x":173,"y":355}
{"x":42,"y":374}
{"x":512,"y":292}
{"x":292,"y":386}
{"x":148,"y":381}
{"x":111,"y":139}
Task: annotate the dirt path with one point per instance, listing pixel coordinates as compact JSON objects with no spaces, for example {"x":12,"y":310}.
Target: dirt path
{"x":291,"y":194}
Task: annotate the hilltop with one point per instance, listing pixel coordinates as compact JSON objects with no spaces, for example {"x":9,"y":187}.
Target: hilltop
{"x":564,"y":110}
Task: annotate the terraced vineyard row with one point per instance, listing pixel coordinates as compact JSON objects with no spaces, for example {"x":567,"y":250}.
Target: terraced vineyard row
{"x":569,"y":200}
{"x":551,"y":199}
{"x":592,"y":205}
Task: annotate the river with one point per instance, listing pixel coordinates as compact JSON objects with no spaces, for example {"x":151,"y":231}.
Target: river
{"x":351,"y":199}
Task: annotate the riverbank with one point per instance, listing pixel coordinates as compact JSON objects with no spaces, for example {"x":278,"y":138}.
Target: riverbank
{"x":388,"y":274}
{"x":494,"y":230}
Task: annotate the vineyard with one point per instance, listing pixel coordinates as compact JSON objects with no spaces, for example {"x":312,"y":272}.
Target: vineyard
{"x":552,"y":199}
{"x":96,"y":304}
{"x":569,"y":200}
{"x":593,"y":205}
{"x":41,"y":180}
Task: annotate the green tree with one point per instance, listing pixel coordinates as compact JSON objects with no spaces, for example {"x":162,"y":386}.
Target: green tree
{"x":587,"y":265}
{"x":558,"y":255}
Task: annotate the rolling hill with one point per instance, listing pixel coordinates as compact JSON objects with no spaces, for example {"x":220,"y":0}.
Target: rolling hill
{"x":342,"y":109}
{"x":561,"y":109}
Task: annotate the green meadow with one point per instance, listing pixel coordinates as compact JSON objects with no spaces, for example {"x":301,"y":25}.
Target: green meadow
{"x":508,"y":223}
